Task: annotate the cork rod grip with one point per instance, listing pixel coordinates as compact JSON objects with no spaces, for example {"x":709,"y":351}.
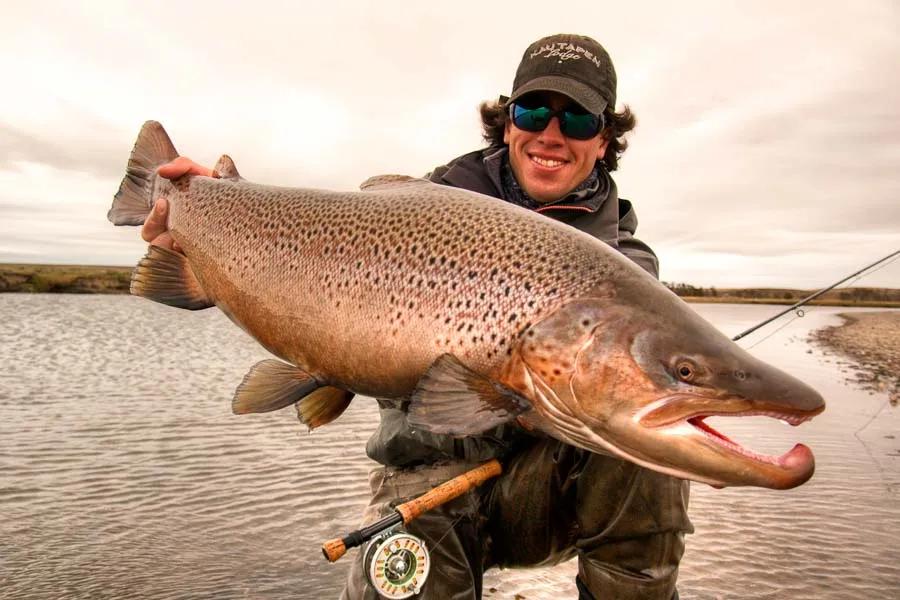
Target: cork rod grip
{"x":449,"y":490}
{"x":334,"y":549}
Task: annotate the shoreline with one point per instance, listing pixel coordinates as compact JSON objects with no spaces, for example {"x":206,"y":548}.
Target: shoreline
{"x":871,"y":341}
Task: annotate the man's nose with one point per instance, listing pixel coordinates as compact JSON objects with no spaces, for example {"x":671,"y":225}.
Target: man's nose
{"x":552,"y":134}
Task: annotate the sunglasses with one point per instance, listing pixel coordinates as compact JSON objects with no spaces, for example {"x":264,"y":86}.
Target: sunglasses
{"x":578,"y":125}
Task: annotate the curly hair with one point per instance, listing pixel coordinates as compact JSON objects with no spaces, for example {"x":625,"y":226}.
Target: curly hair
{"x":495,"y":114}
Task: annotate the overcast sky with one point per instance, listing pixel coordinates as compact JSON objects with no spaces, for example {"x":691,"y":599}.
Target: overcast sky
{"x":767,"y":150}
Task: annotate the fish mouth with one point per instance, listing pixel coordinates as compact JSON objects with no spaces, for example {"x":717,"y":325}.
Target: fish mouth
{"x":784,"y":471}
{"x":788,"y":460}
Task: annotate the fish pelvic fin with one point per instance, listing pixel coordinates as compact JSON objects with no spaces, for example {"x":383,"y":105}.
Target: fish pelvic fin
{"x":271,"y":385}
{"x":323,"y":406}
{"x":450,"y":398}
{"x":225,"y":169}
{"x":133,"y":201}
{"x":166,"y":276}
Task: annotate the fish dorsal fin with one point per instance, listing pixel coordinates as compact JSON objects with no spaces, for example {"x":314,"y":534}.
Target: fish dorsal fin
{"x":450,"y":398}
{"x":271,"y":385}
{"x":384,"y":181}
{"x":167,"y":277}
{"x":225,"y":168}
{"x":323,"y":406}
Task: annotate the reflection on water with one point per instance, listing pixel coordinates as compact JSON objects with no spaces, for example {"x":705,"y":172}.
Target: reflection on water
{"x":124,"y":474}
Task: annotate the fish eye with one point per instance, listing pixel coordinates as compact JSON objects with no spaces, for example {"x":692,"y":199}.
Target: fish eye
{"x":685,"y":371}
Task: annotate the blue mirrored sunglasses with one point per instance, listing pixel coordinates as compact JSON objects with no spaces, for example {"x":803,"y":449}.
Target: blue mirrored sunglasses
{"x":574,"y":124}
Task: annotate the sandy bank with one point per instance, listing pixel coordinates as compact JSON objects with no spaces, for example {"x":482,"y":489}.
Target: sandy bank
{"x":872,"y":341}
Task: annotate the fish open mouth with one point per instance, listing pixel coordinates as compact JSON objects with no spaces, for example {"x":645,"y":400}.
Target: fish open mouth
{"x":671,"y":412}
{"x":789,"y":459}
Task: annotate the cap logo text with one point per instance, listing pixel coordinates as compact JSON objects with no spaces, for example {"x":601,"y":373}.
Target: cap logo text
{"x":565,"y":51}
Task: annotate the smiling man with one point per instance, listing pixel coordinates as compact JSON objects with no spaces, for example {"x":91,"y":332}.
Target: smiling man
{"x":551,"y":147}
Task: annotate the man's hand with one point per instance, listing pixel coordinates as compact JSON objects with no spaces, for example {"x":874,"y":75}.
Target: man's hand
{"x":156,"y":229}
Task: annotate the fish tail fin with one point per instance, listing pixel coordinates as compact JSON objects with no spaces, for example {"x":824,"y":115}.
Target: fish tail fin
{"x":134,"y":200}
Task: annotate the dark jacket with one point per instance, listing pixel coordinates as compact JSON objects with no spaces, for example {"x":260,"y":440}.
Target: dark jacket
{"x":600,"y":213}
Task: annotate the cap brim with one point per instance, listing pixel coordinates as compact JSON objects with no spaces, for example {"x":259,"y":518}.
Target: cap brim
{"x":577,"y":91}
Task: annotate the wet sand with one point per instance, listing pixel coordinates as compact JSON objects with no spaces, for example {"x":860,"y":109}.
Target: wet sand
{"x":871,"y":340}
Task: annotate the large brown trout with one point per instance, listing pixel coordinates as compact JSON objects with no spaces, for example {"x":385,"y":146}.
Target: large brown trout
{"x":479,"y":311}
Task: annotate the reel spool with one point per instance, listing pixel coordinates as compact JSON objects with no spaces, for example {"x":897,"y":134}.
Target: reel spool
{"x":397,"y":564}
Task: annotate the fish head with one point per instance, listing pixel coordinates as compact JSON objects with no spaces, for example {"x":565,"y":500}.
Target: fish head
{"x":638,"y":380}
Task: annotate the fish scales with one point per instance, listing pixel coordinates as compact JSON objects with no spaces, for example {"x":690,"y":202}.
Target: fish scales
{"x":478,"y":311}
{"x":405,"y":273}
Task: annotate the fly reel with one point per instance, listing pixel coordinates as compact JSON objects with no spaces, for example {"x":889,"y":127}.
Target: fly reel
{"x":397,"y":564}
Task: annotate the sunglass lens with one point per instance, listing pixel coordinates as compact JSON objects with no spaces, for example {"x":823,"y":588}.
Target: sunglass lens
{"x":531,"y":119}
{"x":580,"y":126}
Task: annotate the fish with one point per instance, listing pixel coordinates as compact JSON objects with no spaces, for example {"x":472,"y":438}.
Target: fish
{"x":476,"y":311}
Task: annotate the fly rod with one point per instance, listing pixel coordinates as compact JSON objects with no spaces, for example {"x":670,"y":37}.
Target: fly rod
{"x":814,"y":296}
{"x":406,"y":512}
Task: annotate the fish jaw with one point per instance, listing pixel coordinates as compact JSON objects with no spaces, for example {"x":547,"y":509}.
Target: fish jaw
{"x":695,"y":450}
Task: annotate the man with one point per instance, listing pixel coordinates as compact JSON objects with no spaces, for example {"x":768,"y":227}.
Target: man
{"x":552,"y":144}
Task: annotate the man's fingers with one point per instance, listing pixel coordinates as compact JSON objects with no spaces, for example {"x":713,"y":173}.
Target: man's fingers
{"x":183,"y":166}
{"x":156,"y":221}
{"x":165,"y":241}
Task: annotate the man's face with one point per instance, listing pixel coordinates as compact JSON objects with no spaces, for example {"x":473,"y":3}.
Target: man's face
{"x":547,"y":164}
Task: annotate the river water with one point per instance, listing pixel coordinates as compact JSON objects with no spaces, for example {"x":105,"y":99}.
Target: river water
{"x":123,"y":473}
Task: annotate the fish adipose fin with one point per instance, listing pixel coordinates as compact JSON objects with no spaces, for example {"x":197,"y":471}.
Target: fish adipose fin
{"x":166,"y":276}
{"x":271,"y":385}
{"x":225,"y":169}
{"x":133,"y":201}
{"x":453,"y":399}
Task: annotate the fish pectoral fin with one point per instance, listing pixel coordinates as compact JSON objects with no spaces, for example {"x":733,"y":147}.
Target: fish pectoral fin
{"x":323,"y":406}
{"x":453,"y":399}
{"x":271,"y":385}
{"x":225,"y":168}
{"x":167,"y":277}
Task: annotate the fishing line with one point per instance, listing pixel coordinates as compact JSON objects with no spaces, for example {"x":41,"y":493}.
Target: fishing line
{"x":866,"y":446}
{"x":449,"y":529}
{"x":798,"y":314}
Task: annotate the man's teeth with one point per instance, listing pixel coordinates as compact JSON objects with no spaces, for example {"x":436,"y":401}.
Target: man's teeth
{"x":546,"y":162}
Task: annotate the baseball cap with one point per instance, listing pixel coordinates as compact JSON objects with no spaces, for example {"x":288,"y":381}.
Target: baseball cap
{"x":574,"y":65}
